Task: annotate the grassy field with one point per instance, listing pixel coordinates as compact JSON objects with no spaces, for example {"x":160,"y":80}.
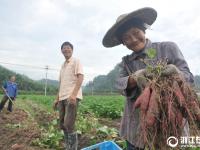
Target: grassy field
{"x":101,"y":106}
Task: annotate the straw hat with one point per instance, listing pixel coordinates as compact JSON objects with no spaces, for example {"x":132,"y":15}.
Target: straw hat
{"x":147,"y":15}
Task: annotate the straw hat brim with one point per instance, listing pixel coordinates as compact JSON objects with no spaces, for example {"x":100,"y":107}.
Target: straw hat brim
{"x":147,"y":15}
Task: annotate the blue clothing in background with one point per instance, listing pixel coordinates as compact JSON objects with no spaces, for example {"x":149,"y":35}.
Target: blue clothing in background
{"x":11,"y":88}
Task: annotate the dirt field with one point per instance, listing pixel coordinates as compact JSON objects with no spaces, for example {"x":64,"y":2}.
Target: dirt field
{"x":17,"y":130}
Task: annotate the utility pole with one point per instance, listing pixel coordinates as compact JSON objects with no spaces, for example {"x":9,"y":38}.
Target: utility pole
{"x":45,"y":89}
{"x":111,"y":88}
{"x":92,"y":86}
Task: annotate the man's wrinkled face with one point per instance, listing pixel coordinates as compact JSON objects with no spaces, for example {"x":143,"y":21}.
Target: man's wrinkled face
{"x":67,"y":51}
{"x":134,"y":39}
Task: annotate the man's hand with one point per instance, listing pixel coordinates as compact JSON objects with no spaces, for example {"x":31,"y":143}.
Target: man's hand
{"x":138,"y":78}
{"x":55,"y":104}
{"x":131,"y":82}
{"x":72,"y":99}
{"x":170,"y":69}
{"x":4,"y":90}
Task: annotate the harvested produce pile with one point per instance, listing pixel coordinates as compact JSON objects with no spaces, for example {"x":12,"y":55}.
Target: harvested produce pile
{"x":166,"y":102}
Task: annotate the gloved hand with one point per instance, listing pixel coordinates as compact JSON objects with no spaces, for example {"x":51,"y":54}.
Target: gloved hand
{"x":139,"y":78}
{"x":170,"y":69}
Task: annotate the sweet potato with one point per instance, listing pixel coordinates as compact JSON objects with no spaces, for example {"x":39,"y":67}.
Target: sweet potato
{"x":179,"y":118}
{"x":143,"y":100}
{"x":178,"y":93}
{"x":153,"y":110}
{"x":164,"y":104}
{"x":195,"y":109}
{"x":171,"y":115}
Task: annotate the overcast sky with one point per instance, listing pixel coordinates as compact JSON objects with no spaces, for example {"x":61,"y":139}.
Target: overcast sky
{"x":31,"y":32}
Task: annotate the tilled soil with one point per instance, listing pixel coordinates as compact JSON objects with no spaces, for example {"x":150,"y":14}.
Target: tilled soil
{"x":15,"y":133}
{"x":19,"y":128}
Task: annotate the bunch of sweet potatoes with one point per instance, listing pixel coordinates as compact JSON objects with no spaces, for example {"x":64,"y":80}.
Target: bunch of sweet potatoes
{"x":165,"y":105}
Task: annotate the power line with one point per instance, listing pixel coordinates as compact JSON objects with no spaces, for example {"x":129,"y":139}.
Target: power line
{"x":30,"y":66}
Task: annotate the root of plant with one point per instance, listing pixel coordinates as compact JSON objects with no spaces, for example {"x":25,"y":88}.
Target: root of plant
{"x":166,"y":104}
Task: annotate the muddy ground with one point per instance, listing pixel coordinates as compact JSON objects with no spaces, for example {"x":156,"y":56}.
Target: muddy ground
{"x":19,"y":128}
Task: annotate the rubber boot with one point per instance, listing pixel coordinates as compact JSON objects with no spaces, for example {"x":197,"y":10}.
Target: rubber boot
{"x":72,"y":141}
{"x":66,"y":141}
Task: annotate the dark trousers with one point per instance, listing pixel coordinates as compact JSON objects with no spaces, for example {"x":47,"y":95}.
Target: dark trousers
{"x":132,"y":147}
{"x":67,"y":115}
{"x":3,"y":102}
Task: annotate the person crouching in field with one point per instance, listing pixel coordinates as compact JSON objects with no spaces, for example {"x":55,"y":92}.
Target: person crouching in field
{"x":69,"y":95}
{"x":10,"y":93}
{"x":129,"y":30}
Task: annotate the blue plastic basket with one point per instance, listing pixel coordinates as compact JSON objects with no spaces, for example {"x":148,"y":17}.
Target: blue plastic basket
{"x":107,"y":145}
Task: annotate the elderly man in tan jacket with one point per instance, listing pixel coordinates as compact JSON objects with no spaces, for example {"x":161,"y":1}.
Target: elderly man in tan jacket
{"x":70,"y":93}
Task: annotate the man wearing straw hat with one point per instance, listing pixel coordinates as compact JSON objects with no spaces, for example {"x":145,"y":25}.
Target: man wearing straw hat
{"x":10,"y":90}
{"x":129,"y":30}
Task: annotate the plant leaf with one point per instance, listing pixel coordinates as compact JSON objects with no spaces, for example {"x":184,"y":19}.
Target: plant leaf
{"x":151,"y":53}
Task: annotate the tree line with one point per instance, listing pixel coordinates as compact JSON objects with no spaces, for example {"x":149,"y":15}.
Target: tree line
{"x":106,"y":83}
{"x":27,"y":85}
{"x":102,"y":84}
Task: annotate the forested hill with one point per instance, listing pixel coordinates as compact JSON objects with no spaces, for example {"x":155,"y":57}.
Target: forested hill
{"x":26,"y":84}
{"x":50,"y":82}
{"x":103,"y":83}
{"x":106,"y":83}
{"x":100,"y":84}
